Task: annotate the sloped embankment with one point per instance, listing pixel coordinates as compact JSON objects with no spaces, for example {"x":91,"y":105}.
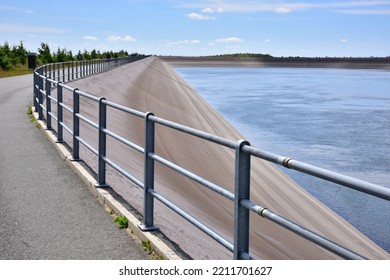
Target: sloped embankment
{"x":153,"y":85}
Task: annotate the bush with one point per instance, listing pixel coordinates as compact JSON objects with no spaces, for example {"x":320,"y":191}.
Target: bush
{"x":6,"y":62}
{"x":12,"y":57}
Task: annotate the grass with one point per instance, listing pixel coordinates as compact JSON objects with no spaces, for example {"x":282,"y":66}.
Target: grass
{"x":29,"y":110}
{"x":23,"y":70}
{"x":147,"y":246}
{"x":32,"y":118}
{"x":122,"y":221}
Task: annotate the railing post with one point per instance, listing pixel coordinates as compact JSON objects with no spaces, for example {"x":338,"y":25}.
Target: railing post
{"x":76,"y":125}
{"x":102,"y":144}
{"x":148,"y":219}
{"x":40,"y":98}
{"x":72,"y":70}
{"x":68,"y":71}
{"x":58,"y":72}
{"x":48,"y":103}
{"x":36,"y":88}
{"x":242,"y":191}
{"x":60,"y":129}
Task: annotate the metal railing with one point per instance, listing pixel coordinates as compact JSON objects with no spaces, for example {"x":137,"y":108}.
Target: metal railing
{"x":43,"y":83}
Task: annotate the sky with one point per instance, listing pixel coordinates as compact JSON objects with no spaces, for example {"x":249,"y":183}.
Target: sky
{"x":343,"y":28}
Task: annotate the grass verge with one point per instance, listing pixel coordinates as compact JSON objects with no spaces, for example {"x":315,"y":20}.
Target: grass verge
{"x":15,"y":72}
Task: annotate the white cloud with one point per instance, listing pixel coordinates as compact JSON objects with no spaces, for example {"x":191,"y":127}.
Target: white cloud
{"x":208,"y":10}
{"x":267,"y":40}
{"x":282,"y":10}
{"x":29,"y":12}
{"x":116,"y":38}
{"x":246,"y":6}
{"x":129,"y":38}
{"x":343,"y":40}
{"x":195,"y":16}
{"x":229,"y":40}
{"x":181,"y":42}
{"x":92,"y":38}
{"x":211,"y":10}
{"x":284,"y":7}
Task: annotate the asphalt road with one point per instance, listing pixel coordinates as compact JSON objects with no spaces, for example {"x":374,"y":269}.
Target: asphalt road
{"x":46,"y":211}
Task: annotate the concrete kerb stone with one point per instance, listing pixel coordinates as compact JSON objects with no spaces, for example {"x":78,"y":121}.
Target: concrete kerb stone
{"x":159,"y":247}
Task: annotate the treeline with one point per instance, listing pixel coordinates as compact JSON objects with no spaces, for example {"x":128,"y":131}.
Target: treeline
{"x":241,"y":55}
{"x":16,"y":56}
{"x":11,"y":57}
{"x":45,"y":55}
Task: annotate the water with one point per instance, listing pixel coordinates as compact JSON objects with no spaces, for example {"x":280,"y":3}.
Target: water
{"x":333,"y":118}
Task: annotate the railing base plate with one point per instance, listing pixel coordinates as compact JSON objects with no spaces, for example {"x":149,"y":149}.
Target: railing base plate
{"x":104,"y":186}
{"x":145,"y":228}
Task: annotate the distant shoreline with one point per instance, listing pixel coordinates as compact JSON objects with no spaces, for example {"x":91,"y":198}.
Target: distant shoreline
{"x":296,"y":62}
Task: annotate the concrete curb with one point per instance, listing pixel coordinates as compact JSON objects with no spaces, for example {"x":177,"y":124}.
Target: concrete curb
{"x":107,"y":198}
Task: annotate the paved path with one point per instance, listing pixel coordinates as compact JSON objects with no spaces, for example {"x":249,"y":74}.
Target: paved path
{"x":46,"y":211}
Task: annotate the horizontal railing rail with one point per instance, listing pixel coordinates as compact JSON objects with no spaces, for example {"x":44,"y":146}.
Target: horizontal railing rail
{"x":45,"y":80}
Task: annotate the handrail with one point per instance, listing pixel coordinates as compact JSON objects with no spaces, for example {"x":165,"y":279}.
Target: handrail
{"x":45,"y":79}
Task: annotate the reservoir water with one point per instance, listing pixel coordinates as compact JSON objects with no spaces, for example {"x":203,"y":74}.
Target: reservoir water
{"x":337,"y":119}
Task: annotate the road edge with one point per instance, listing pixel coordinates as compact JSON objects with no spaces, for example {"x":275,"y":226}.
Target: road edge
{"x":107,"y":198}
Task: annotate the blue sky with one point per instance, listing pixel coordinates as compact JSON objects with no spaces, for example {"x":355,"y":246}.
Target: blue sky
{"x":202,"y":27}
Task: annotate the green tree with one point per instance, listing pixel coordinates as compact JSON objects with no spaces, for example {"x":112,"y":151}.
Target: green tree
{"x":79,"y":56}
{"x":6,"y":48}
{"x":5,"y":57}
{"x":12,"y":57}
{"x":123,"y":53}
{"x":45,"y":55}
{"x":94,"y":54}
{"x":86,"y":55}
{"x":60,"y":55}
{"x":20,"y":54}
{"x":69,"y":56}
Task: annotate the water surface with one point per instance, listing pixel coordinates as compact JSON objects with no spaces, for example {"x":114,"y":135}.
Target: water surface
{"x":333,"y":118}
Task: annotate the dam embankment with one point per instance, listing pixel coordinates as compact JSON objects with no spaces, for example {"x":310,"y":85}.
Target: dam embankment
{"x":298,"y":62}
{"x":153,"y":85}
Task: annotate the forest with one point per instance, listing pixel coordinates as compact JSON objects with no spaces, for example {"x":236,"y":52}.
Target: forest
{"x":15,"y":56}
